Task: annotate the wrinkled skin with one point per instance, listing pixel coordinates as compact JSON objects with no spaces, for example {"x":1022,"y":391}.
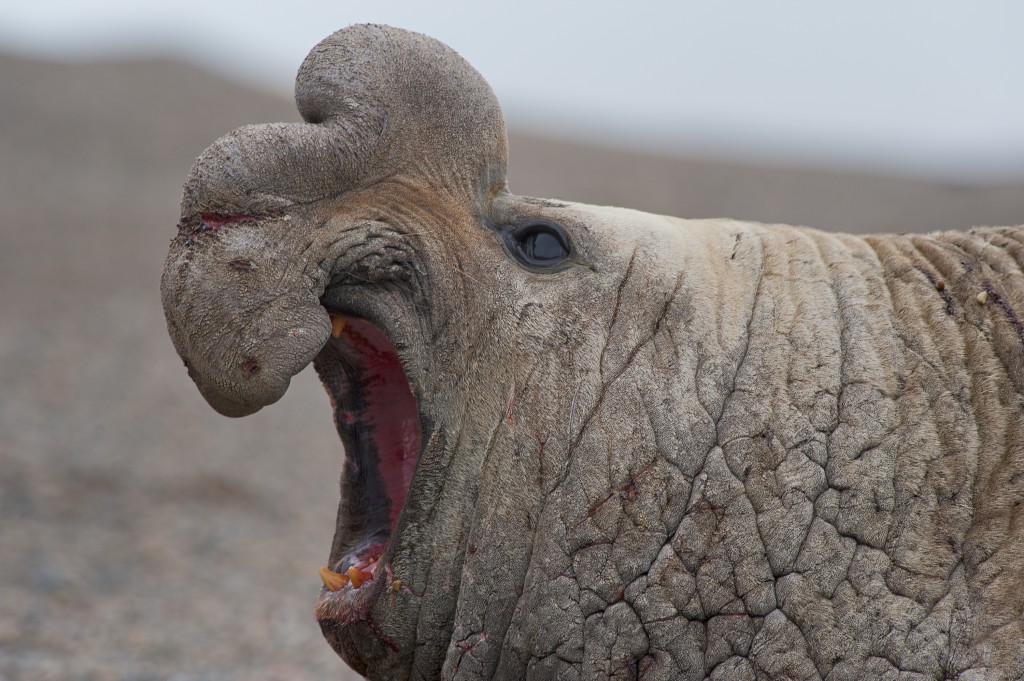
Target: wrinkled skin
{"x":695,"y":449}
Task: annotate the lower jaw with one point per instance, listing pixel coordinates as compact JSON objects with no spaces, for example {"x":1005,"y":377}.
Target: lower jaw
{"x":353,"y":601}
{"x":345,"y":615}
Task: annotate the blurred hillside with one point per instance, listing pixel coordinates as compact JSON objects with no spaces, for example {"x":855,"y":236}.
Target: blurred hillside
{"x":142,"y":536}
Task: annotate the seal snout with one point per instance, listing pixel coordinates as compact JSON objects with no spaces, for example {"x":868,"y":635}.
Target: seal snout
{"x":301,"y":242}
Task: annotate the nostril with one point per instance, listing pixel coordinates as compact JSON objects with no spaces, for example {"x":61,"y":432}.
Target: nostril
{"x":241,"y":264}
{"x":251,"y":365}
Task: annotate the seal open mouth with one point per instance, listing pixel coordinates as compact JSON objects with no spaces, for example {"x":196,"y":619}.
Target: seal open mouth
{"x":378,"y":422}
{"x":346,"y":240}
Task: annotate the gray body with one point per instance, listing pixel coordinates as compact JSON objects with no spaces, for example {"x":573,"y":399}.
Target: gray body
{"x":699,"y":449}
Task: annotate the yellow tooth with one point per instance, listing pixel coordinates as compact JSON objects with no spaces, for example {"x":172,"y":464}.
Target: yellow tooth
{"x":358,"y":576}
{"x":396,"y":585}
{"x":333,"y":580}
{"x":983,"y":297}
{"x":337,"y":325}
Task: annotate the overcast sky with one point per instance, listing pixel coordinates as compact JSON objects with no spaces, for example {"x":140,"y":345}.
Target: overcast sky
{"x":919,"y":86}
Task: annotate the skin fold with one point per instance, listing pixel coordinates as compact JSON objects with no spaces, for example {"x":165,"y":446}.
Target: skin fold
{"x":695,"y":449}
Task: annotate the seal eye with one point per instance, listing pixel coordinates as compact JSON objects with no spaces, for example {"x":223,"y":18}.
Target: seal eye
{"x":540,"y":245}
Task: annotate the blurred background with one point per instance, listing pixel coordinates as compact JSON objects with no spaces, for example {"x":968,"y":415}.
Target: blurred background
{"x":144,"y":537}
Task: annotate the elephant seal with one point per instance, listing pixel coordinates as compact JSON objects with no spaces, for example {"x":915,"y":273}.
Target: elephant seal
{"x":586,"y":442}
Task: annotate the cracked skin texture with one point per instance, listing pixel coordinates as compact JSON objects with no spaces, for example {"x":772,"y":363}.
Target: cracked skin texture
{"x":701,"y":449}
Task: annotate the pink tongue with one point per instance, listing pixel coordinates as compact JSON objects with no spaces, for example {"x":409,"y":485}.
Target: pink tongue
{"x":390,"y":408}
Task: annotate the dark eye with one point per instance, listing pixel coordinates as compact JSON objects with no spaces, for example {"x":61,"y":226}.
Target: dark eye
{"x":539,"y":244}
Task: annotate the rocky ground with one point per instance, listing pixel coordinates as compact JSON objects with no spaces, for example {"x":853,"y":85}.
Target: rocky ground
{"x":144,"y":537}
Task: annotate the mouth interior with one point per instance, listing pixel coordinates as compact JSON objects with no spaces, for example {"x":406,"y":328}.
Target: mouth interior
{"x":378,"y":422}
